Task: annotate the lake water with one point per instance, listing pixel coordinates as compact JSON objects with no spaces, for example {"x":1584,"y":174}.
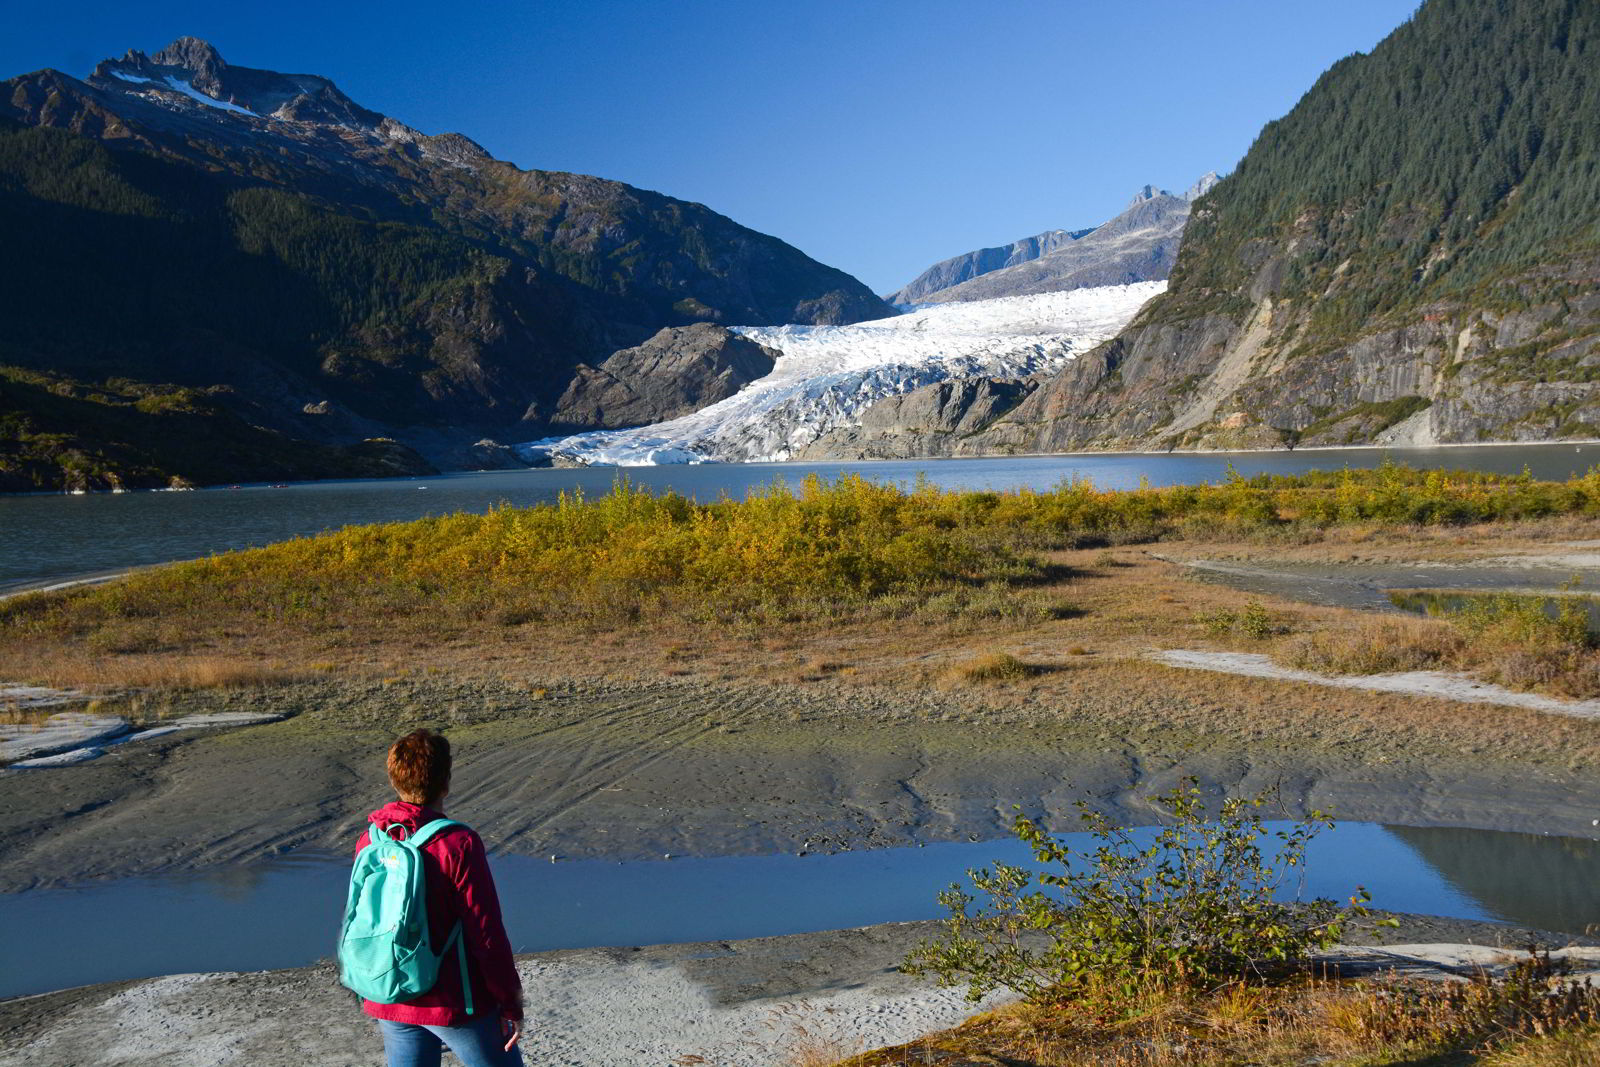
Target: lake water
{"x":285,"y":913}
{"x":50,"y":536}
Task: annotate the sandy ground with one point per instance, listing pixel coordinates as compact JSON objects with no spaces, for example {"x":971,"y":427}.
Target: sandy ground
{"x":1419,"y":683}
{"x":635,"y":771}
{"x":758,"y":1003}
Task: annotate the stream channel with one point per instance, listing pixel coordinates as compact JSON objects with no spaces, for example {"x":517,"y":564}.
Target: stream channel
{"x":285,"y":912}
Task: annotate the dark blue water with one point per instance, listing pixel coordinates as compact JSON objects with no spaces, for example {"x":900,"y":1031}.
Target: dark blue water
{"x":53,"y":536}
{"x":285,"y":913}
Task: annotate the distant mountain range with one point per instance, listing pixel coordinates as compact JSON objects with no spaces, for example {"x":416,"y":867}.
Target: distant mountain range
{"x":220,"y":273}
{"x":1139,"y":245}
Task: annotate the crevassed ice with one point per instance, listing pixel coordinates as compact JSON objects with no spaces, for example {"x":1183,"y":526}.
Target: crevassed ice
{"x":827,"y":375}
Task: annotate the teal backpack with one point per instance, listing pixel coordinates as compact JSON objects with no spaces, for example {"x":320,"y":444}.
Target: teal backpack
{"x":385,"y":953}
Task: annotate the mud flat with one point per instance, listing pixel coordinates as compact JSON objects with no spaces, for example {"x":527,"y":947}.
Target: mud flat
{"x":731,"y":1003}
{"x":632,"y":772}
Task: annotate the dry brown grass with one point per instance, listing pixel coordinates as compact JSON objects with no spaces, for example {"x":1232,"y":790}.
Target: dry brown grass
{"x":1512,"y":1022}
{"x":1505,"y":639}
{"x":1375,"y":646}
{"x":13,"y":714}
{"x":1119,"y":613}
{"x":994,"y":667}
{"x":170,"y":671}
{"x":1579,"y":1047}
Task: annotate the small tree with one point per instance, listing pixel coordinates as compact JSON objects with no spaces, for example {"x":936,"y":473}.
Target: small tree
{"x":1198,"y":905}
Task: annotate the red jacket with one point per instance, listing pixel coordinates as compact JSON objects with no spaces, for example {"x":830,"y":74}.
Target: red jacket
{"x":460,"y":888}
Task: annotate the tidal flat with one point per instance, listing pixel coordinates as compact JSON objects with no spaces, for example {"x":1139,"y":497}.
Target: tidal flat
{"x":595,"y":770}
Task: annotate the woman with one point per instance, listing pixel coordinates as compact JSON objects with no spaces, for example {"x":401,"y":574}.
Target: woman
{"x":459,"y":889}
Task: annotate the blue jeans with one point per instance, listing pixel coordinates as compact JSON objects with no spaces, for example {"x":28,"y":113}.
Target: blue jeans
{"x":478,"y":1044}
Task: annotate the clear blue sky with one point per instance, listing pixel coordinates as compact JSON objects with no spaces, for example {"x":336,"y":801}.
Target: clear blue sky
{"x":876,"y":135}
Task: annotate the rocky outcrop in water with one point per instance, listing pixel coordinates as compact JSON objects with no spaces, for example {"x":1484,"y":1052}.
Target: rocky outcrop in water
{"x":942,"y":419}
{"x":679,"y":370}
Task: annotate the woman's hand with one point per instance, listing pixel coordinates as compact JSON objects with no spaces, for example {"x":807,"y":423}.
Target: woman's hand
{"x":511,"y":1030}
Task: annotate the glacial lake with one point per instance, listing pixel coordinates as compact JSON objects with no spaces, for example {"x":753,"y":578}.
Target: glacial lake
{"x":285,"y":912}
{"x":55,"y":536}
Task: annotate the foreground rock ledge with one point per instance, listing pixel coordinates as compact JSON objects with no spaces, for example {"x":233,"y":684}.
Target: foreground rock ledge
{"x":733,"y":1003}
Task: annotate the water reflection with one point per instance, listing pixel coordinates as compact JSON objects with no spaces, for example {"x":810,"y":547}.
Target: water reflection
{"x":1549,"y":883}
{"x":1442,"y":602}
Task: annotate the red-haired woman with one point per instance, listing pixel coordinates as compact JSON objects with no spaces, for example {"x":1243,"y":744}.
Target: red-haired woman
{"x":459,"y":889}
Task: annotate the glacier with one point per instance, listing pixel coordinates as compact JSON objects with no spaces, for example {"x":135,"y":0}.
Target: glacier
{"x":826,"y":376}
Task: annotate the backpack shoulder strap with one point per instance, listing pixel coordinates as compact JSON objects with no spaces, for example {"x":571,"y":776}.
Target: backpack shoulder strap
{"x":424,"y":835}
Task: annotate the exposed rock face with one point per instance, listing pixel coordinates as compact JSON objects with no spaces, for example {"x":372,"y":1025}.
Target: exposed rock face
{"x":958,"y":269}
{"x":1219,"y":381}
{"x":1400,"y":259}
{"x":942,"y":419}
{"x":1138,"y":245}
{"x":679,"y":370}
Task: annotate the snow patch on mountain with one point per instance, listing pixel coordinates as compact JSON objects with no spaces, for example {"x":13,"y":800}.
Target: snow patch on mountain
{"x":169,"y":82}
{"x":827,"y":375}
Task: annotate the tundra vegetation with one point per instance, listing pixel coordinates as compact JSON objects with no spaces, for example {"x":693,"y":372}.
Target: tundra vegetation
{"x":784,"y":561}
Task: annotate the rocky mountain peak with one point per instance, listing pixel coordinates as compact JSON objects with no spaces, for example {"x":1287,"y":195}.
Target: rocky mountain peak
{"x":193,"y":55}
{"x":191,"y":71}
{"x":1148,"y":192}
{"x":1201,"y":187}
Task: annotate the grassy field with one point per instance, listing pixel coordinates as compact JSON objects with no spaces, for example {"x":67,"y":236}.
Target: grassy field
{"x":1512,"y":1022}
{"x":1028,"y":600}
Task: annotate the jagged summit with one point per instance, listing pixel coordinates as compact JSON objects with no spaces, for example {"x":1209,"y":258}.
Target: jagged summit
{"x":191,"y":53}
{"x":1148,"y":192}
{"x":191,"y":71}
{"x":1140,"y":244}
{"x":1202,"y":187}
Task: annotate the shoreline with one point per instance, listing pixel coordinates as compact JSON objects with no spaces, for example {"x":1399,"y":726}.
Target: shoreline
{"x":731,"y":1003}
{"x":780,"y":463}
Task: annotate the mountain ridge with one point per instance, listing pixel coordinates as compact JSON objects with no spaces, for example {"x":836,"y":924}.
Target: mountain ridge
{"x":320,"y":269}
{"x":1410,"y":256}
{"x":1138,"y":244}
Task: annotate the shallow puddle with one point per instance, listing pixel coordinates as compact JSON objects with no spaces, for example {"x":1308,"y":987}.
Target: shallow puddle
{"x":1371,"y":586}
{"x":285,"y":913}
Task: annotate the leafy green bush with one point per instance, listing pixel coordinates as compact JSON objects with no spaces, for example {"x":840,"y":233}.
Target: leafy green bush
{"x":1255,"y":622}
{"x":1198,"y":905}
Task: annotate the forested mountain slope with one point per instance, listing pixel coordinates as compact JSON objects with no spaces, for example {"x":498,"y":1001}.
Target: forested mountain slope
{"x":1412,"y":254}
{"x":244,"y":242}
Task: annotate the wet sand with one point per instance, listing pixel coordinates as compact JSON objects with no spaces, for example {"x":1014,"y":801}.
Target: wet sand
{"x":627,"y":772}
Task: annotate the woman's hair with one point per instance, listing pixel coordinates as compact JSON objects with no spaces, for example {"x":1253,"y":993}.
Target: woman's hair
{"x":419,"y":766}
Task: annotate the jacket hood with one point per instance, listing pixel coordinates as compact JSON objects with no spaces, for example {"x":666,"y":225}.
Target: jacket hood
{"x":412,"y":816}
